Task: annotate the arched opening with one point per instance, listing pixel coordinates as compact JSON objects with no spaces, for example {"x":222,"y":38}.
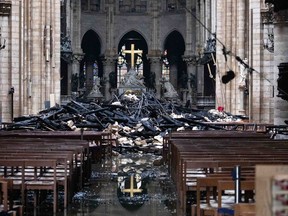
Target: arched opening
{"x":64,"y":77}
{"x":132,"y":53}
{"x":91,"y":66}
{"x":174,"y":67}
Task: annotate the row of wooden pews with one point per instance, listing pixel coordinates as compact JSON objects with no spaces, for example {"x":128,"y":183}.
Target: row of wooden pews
{"x":201,"y":162}
{"x":47,"y":161}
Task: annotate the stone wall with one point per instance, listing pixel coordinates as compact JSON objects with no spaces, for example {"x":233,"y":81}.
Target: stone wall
{"x":240,"y":29}
{"x":30,"y":63}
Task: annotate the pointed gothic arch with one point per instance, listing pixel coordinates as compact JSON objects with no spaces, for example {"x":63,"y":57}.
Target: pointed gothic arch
{"x":91,"y":65}
{"x":174,"y":47}
{"x":136,"y":38}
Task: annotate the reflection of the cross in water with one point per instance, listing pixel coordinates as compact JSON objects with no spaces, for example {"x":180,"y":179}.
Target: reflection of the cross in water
{"x":131,"y":191}
{"x":133,"y":185}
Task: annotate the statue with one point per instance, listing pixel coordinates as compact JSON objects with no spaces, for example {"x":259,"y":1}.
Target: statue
{"x":131,"y":79}
{"x":192,"y":82}
{"x":170,"y":91}
{"x":243,"y":72}
{"x":95,"y":92}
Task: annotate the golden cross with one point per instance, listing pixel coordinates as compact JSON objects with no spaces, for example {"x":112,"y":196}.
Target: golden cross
{"x":133,"y":52}
{"x":131,"y":190}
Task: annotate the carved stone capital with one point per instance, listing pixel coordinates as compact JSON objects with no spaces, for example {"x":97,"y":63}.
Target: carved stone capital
{"x":109,"y":60}
{"x":267,"y":15}
{"x":190,"y":60}
{"x":154,"y":59}
{"x":78,"y":56}
{"x":281,"y":16}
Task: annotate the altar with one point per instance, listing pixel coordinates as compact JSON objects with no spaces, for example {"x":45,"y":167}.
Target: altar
{"x":131,"y":90}
{"x":132,"y":82}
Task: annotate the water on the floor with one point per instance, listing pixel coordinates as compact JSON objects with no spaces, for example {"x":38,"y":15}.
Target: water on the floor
{"x":129,"y":184}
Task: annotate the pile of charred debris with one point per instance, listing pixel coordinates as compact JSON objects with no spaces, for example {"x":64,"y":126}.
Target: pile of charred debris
{"x":136,"y":121}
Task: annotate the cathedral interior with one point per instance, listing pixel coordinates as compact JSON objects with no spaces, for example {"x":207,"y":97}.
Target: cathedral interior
{"x":192,"y":58}
{"x":208,"y":57}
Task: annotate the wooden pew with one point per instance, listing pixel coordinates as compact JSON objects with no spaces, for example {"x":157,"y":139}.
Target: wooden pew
{"x":34,"y":182}
{"x":39,"y":182}
{"x":70,"y":151}
{"x":212,"y":134}
{"x":244,"y":209}
{"x":100,"y":141}
{"x":63,"y":153}
{"x":238,"y":154}
{"x":64,"y":159}
{"x":246,"y":185}
{"x":221,"y":184}
{"x":4,"y":194}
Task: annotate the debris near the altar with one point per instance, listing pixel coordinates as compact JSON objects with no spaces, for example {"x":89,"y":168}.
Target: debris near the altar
{"x":138,"y":121}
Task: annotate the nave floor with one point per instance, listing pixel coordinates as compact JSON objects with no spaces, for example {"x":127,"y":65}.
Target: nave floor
{"x":153,"y":192}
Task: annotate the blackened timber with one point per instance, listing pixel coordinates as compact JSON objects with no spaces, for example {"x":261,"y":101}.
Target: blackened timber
{"x":173,"y":121}
{"x":96,"y":111}
{"x":148,"y":125}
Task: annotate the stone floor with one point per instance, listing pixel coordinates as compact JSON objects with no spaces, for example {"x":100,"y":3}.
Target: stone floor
{"x":105,"y":193}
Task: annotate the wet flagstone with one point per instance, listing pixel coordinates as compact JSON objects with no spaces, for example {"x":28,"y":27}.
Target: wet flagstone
{"x":104,"y":193}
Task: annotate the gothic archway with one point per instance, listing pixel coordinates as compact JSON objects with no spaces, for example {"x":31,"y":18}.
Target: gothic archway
{"x":174,"y":47}
{"x":134,"y":40}
{"x":91,"y":66}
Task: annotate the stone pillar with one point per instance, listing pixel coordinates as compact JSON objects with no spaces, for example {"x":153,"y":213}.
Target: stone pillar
{"x":110,"y":46}
{"x":173,"y":75}
{"x":89,"y":76}
{"x":75,"y":82}
{"x":280,"y":56}
{"x":156,"y":67}
{"x":108,"y":67}
{"x":241,"y":31}
{"x":190,"y":24}
{"x":192,"y":78}
{"x":155,"y":51}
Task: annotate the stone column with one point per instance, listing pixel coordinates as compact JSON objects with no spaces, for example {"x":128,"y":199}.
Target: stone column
{"x":156,"y":67}
{"x":190,"y":26}
{"x":108,"y":67}
{"x":192,"y":78}
{"x":75,"y":82}
{"x":173,"y":75}
{"x":241,"y":31}
{"x":110,"y":45}
{"x":280,"y":56}
{"x":89,"y":76}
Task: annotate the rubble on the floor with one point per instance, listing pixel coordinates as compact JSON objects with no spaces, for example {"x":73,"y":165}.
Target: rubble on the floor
{"x":136,"y":121}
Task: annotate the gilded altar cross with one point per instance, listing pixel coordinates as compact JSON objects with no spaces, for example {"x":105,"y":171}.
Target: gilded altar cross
{"x":132,"y":190}
{"x":133,"y":52}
